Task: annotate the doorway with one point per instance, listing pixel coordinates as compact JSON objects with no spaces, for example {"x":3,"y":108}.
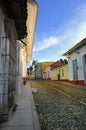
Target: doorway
{"x":59,"y":75}
{"x":75,"y":70}
{"x":84,"y":68}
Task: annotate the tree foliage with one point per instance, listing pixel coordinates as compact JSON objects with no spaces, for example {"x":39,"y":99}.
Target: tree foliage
{"x":29,"y":70}
{"x":34,"y":64}
{"x":64,"y":61}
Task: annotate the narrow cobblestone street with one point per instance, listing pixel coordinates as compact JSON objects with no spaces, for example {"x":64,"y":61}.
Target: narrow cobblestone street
{"x":60,"y":106}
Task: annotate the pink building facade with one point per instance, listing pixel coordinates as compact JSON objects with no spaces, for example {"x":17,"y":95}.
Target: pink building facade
{"x":46,"y":73}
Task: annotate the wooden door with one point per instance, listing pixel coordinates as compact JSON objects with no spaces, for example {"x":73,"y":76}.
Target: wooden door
{"x":75,"y":70}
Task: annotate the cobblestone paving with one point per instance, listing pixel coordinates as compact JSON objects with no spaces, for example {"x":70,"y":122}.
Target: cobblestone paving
{"x":72,"y":90}
{"x":56,"y":110}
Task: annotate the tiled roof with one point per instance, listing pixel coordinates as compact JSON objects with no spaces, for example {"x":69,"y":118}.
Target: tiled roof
{"x":56,"y":64}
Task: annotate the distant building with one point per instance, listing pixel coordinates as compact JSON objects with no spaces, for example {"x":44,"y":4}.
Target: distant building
{"x":40,"y":69}
{"x":59,"y":71}
{"x":77,"y":63}
{"x":46,"y":72}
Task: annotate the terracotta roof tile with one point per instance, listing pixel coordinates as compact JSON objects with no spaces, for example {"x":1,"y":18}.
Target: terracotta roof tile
{"x":56,"y":64}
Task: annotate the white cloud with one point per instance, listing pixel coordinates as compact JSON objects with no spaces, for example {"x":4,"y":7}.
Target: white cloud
{"x":46,"y":43}
{"x":73,"y":32}
{"x":74,"y":35}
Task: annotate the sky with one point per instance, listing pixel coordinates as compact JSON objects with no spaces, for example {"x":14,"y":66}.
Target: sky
{"x":60,"y":25}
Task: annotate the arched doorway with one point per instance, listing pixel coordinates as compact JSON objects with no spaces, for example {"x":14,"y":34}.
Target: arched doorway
{"x":84,"y":68}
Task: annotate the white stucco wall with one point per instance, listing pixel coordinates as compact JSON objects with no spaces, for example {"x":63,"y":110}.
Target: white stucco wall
{"x":79,"y":57}
{"x":19,"y":82}
{"x":23,"y":61}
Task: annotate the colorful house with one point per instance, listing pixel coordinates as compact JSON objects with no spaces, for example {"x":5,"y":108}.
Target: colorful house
{"x":77,"y":63}
{"x":59,"y":71}
{"x":46,"y":73}
{"x":40,"y":69}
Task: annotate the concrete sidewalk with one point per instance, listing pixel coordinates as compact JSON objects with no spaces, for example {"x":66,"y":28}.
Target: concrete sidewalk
{"x":25,"y":117}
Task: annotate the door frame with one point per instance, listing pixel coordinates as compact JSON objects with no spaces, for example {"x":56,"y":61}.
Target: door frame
{"x":84,"y":67}
{"x":74,"y":71}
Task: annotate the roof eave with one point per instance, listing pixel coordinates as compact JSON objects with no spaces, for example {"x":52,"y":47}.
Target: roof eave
{"x":77,"y":46}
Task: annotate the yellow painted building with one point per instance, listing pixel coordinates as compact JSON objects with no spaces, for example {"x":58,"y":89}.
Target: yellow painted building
{"x":26,"y":44}
{"x":26,"y":50}
{"x":32,"y":10}
{"x":59,"y":73}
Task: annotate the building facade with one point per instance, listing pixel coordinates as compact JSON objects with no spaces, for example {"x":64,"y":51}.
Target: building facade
{"x":59,"y":71}
{"x":8,"y":54}
{"x":26,"y":51}
{"x":25,"y":46}
{"x":77,"y":63}
{"x":40,"y":69}
{"x":14,"y":55}
{"x":46,"y":73}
